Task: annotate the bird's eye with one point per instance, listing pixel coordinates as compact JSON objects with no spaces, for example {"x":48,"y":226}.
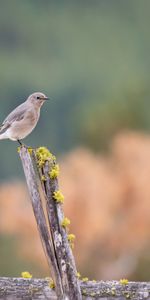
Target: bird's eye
{"x":37,"y":97}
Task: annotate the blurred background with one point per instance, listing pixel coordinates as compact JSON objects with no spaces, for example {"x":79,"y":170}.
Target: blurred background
{"x":92,"y":58}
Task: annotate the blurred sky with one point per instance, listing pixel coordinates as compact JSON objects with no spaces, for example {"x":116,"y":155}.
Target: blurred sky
{"x":91,"y":57}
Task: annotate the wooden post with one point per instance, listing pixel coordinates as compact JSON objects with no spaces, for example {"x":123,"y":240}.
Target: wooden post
{"x":32,"y":183}
{"x":54,"y":237}
{"x":61,"y":245}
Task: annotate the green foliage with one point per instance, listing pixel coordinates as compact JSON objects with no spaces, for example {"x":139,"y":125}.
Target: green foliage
{"x":130,"y":109}
{"x":91,"y":57}
{"x":11,"y":261}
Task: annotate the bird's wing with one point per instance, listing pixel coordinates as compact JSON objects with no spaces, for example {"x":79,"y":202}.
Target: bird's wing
{"x":16,"y":115}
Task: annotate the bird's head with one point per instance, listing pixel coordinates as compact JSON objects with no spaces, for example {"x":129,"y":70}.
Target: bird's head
{"x":37,"y":99}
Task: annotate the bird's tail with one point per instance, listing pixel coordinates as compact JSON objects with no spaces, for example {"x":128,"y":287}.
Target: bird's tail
{"x":3,"y":136}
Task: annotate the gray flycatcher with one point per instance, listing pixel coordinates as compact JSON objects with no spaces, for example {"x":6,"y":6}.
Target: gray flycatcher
{"x":23,"y":119}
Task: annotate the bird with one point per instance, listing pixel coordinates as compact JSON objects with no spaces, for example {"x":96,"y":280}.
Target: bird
{"x":23,"y":119}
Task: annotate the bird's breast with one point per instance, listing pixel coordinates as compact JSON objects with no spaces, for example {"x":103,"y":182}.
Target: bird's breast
{"x":20,"y":129}
{"x":32,"y":117}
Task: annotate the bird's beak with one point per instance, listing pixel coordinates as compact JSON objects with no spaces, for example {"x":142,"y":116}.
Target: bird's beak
{"x":46,"y":98}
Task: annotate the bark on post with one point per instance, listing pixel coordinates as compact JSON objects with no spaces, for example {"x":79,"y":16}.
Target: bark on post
{"x":54,"y":237}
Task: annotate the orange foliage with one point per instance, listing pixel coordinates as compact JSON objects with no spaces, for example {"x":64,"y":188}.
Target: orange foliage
{"x":16,"y":218}
{"x":107,"y":199}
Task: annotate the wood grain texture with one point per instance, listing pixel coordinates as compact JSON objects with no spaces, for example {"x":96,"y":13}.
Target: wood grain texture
{"x":38,"y":289}
{"x":32,"y":183}
{"x":62,"y":248}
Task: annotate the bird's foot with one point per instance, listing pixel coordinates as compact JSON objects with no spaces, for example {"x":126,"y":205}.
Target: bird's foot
{"x":22,"y":144}
{"x":30,"y":149}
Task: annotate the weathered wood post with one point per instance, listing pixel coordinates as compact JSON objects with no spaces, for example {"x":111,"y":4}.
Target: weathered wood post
{"x":53,"y":235}
{"x":38,"y":289}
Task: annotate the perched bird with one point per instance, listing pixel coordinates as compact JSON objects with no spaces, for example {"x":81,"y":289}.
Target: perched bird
{"x":23,"y":119}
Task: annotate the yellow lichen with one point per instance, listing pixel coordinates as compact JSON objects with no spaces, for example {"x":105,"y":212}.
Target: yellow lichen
{"x":54,"y":172}
{"x":43,"y":178}
{"x":84,"y":292}
{"x":92,"y":294}
{"x":65,"y":222}
{"x":78,"y":275}
{"x":47,"y":278}
{"x":43,"y":155}
{"x":58,"y":196}
{"x":113,"y":291}
{"x":30,"y":150}
{"x":124,"y":281}
{"x":85,"y":279}
{"x":18,"y":149}
{"x":71,"y":239}
{"x":51,"y":283}
{"x":26,"y":275}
